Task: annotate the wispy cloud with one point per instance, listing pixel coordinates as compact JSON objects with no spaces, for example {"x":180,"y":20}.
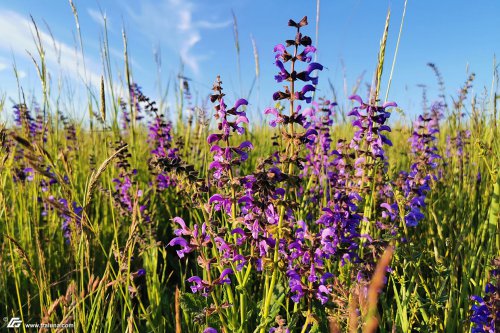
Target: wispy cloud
{"x":16,"y":37}
{"x":171,"y":23}
{"x":99,"y":17}
{"x":6,"y":65}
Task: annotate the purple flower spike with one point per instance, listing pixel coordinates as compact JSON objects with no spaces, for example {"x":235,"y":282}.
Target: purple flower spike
{"x":225,"y":155}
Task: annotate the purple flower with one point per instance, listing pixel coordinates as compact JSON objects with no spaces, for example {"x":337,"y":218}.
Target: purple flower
{"x":306,"y":74}
{"x":212,"y":138}
{"x":323,"y":294}
{"x":278,"y":120}
{"x":139,"y":273}
{"x":224,"y":279}
{"x":283,"y":74}
{"x":203,"y":287}
{"x":301,"y":95}
{"x":305,"y":55}
{"x":209,"y":330}
{"x":416,"y":183}
{"x":72,"y":218}
{"x":183,"y":230}
{"x":220,"y":202}
{"x":199,"y":285}
{"x":30,"y":174}
{"x":185,"y":248}
{"x":225,"y":155}
{"x":243,"y":236}
{"x":295,"y":284}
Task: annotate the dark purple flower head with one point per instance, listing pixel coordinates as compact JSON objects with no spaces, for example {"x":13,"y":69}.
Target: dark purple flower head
{"x":301,"y":50}
{"x":306,"y":74}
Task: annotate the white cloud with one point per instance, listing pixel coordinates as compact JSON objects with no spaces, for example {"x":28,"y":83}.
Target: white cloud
{"x":171,"y":22}
{"x":213,"y":25}
{"x":16,"y":37}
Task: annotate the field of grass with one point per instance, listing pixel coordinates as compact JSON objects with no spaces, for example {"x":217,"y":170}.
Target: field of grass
{"x":207,"y":221}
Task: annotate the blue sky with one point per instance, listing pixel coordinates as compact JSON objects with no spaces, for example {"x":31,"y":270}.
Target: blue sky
{"x":455,"y":35}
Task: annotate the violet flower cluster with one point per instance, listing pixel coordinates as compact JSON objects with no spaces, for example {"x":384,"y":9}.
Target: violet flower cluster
{"x":365,"y":157}
{"x":160,"y":139}
{"x":34,"y":130}
{"x":318,"y":166}
{"x":485,"y":310}
{"x":455,"y":145}
{"x":23,"y":119}
{"x":133,"y":110}
{"x":159,"y":136}
{"x":369,"y":139}
{"x":127,"y":194}
{"x":225,"y":156}
{"x":72,"y":218}
{"x":416,"y":183}
{"x":70,"y":130}
{"x":307,"y":207}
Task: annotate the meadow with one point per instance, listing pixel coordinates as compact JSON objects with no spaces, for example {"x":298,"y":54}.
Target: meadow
{"x":198,"y":218}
